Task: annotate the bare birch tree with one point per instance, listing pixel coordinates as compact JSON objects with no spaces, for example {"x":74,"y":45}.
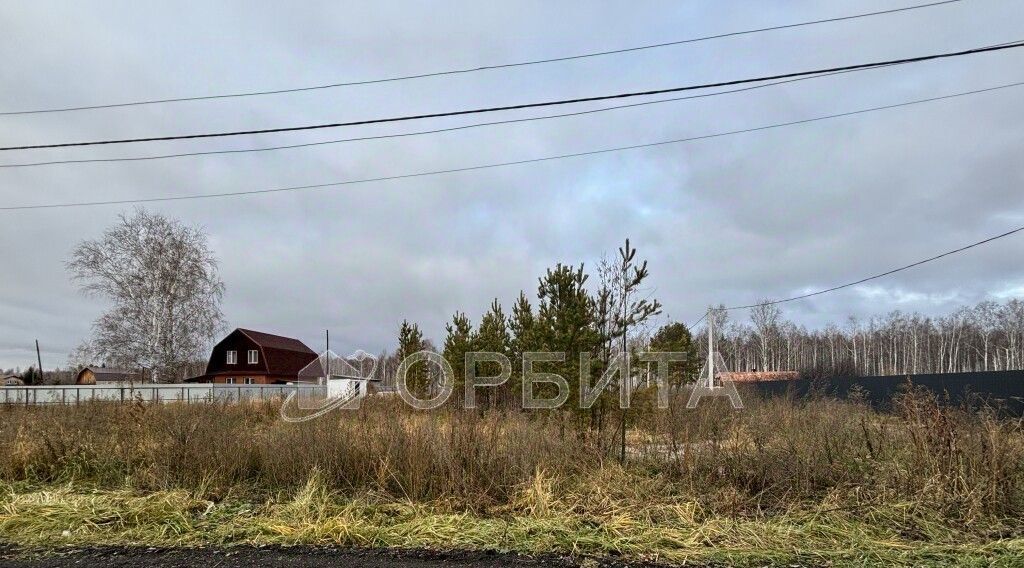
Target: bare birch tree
{"x":161,"y":279}
{"x":986,"y":337}
{"x":765,"y":317}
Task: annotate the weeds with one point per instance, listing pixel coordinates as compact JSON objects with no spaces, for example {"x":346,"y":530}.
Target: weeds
{"x":786,"y":480}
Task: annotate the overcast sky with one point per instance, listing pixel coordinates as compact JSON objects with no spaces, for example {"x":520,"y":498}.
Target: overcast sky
{"x":730,"y":220}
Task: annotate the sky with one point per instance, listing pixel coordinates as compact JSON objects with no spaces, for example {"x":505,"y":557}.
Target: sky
{"x":730,"y":220}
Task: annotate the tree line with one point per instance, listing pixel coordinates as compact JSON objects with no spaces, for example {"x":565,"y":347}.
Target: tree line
{"x":161,"y":281}
{"x":567,"y":317}
{"x":986,"y":337}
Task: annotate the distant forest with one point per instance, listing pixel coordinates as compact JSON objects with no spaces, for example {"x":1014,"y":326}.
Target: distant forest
{"x":986,"y":337}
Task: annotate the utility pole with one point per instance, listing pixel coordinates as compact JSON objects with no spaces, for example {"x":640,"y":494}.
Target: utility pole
{"x":39,"y":361}
{"x":727,"y":388}
{"x":711,"y":350}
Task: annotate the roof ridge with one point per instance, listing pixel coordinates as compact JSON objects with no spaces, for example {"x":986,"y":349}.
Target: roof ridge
{"x":248,"y":331}
{"x":275,"y":341}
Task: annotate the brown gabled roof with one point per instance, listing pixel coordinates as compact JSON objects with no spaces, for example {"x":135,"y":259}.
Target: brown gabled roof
{"x":276,"y":341}
{"x":283,"y":355}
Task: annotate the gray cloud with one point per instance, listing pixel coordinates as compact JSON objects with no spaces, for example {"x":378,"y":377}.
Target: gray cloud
{"x":727,"y":220}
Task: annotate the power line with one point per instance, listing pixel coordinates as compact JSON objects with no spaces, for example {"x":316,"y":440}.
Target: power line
{"x":868,"y":278}
{"x":425,"y":132}
{"x":528,"y":105}
{"x":696,"y":323}
{"x":419,"y":132}
{"x":480,"y":68}
{"x":883,"y":274}
{"x":505,"y":164}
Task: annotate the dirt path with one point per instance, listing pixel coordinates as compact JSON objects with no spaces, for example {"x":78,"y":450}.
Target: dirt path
{"x":274,"y":557}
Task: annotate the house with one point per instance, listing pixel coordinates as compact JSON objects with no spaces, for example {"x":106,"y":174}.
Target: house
{"x":92,"y":375}
{"x":11,"y":381}
{"x":247,"y":357}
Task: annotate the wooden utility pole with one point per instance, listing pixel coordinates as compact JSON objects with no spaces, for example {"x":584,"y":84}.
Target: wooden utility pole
{"x":39,"y":361}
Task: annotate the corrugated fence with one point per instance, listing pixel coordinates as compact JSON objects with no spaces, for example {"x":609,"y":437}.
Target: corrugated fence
{"x":77,"y":394}
{"x":1003,"y":390}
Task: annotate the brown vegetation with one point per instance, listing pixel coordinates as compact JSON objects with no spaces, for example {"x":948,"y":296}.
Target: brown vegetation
{"x":923,"y":474}
{"x":772,"y":455}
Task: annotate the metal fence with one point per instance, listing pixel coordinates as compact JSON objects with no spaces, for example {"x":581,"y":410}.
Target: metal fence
{"x":192,"y":393}
{"x":999,"y":390}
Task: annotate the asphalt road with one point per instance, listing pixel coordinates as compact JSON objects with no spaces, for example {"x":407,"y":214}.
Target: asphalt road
{"x":284,"y":557}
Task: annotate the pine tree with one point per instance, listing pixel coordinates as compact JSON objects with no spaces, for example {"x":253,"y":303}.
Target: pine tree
{"x":32,"y":376}
{"x":676,"y":337}
{"x":457,"y":343}
{"x":523,"y":328}
{"x":410,"y":340}
{"x":493,"y":336}
{"x":630,"y":313}
{"x":566,"y":322}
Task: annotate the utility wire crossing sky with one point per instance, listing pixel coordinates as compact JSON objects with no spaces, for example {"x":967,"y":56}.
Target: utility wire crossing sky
{"x":780,"y":214}
{"x":485,"y":67}
{"x":521,"y":106}
{"x":501,"y":164}
{"x":426,"y":132}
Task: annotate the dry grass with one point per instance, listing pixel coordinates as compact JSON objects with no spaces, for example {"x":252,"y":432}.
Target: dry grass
{"x":806,"y":481}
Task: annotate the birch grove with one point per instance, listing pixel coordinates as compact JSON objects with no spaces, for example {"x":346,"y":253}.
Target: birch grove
{"x":985,"y":337}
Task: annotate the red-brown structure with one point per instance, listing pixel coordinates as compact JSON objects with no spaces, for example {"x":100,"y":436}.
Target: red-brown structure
{"x":93,"y":375}
{"x":247,"y":357}
{"x":760,"y":376}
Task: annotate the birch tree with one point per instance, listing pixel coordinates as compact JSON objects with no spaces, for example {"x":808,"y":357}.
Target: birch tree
{"x":985,"y":337}
{"x":765,"y":317}
{"x":161,"y":280}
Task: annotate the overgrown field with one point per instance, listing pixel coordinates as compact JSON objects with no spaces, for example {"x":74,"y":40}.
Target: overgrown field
{"x":807,"y":481}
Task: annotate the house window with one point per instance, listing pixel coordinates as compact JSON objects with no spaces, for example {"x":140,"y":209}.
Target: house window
{"x":230,"y":380}
{"x":232,"y":357}
{"x":250,"y":381}
{"x":254,"y":356}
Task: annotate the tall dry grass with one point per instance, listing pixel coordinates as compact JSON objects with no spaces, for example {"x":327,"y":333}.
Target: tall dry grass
{"x":961,"y":467}
{"x":382,"y":447}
